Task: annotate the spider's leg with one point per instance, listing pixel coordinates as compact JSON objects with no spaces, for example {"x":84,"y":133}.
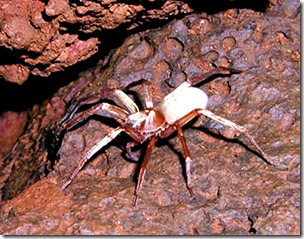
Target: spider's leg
{"x":237,"y":127}
{"x":143,"y":167}
{"x":129,"y":151}
{"x":71,"y":111}
{"x":221,"y":70}
{"x":107,"y":139}
{"x":101,"y":109}
{"x":126,"y":101}
{"x":121,"y":97}
{"x":148,"y":103}
{"x":187,"y":158}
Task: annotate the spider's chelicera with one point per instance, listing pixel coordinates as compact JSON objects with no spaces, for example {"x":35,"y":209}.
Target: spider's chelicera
{"x":177,"y":109}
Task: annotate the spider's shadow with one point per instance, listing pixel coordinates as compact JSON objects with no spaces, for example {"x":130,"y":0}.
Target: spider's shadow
{"x":235,"y":141}
{"x":163,"y":142}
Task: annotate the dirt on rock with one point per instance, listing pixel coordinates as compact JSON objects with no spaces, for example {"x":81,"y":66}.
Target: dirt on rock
{"x":235,"y":191}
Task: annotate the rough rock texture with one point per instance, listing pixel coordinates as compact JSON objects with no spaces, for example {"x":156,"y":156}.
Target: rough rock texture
{"x":11,"y":128}
{"x":41,"y":37}
{"x":236,"y":192}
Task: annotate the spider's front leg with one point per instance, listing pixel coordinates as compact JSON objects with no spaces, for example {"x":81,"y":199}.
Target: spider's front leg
{"x":101,"y":109}
{"x":119,"y":96}
{"x":105,"y":110}
{"x":73,"y":108}
{"x":143,"y":167}
{"x":106,"y":140}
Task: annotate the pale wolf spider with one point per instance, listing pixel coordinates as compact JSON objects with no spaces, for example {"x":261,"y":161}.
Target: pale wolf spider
{"x":176,"y":110}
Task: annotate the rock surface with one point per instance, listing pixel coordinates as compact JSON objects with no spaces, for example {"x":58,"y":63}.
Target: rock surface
{"x":42,"y":37}
{"x":236,"y":192}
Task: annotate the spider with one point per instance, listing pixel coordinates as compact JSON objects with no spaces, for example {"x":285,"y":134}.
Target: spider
{"x":176,"y":109}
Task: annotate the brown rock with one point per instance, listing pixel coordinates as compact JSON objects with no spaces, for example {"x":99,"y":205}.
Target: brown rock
{"x":235,"y":191}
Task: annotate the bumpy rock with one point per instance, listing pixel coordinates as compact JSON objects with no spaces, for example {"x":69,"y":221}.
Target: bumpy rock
{"x":235,"y":191}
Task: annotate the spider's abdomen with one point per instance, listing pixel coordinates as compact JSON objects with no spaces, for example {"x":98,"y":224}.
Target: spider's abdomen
{"x":182,"y":101}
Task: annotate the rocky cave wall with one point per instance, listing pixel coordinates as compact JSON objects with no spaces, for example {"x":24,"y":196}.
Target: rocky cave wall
{"x":235,"y":191}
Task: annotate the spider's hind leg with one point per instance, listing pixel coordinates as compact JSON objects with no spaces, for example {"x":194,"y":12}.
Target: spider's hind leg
{"x":221,"y":70}
{"x":238,"y":128}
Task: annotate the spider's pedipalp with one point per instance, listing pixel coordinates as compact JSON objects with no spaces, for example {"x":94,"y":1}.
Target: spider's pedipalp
{"x":238,"y":128}
{"x":129,"y":151}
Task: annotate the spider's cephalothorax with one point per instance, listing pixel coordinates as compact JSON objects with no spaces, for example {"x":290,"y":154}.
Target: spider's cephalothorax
{"x":146,"y":122}
{"x":177,"y":108}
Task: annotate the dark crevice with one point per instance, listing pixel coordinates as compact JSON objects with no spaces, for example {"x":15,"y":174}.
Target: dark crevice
{"x":35,"y":90}
{"x":252,"y":230}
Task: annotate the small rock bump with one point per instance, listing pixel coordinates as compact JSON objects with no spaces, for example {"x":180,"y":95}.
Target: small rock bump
{"x":200,"y":26}
{"x":219,"y":87}
{"x":257,"y":35}
{"x":142,"y":51}
{"x":180,"y":27}
{"x":173,"y":48}
{"x":286,"y":121}
{"x":211,"y":56}
{"x":231,"y":13}
{"x":224,"y":61}
{"x":230,"y":133}
{"x":281,"y":38}
{"x":161,"y":71}
{"x":291,"y":7}
{"x":295,"y":56}
{"x":176,"y":79}
{"x":228,"y":43}
{"x":182,"y":63}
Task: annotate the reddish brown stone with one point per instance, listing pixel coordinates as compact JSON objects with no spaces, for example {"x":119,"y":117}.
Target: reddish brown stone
{"x":235,"y":191}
